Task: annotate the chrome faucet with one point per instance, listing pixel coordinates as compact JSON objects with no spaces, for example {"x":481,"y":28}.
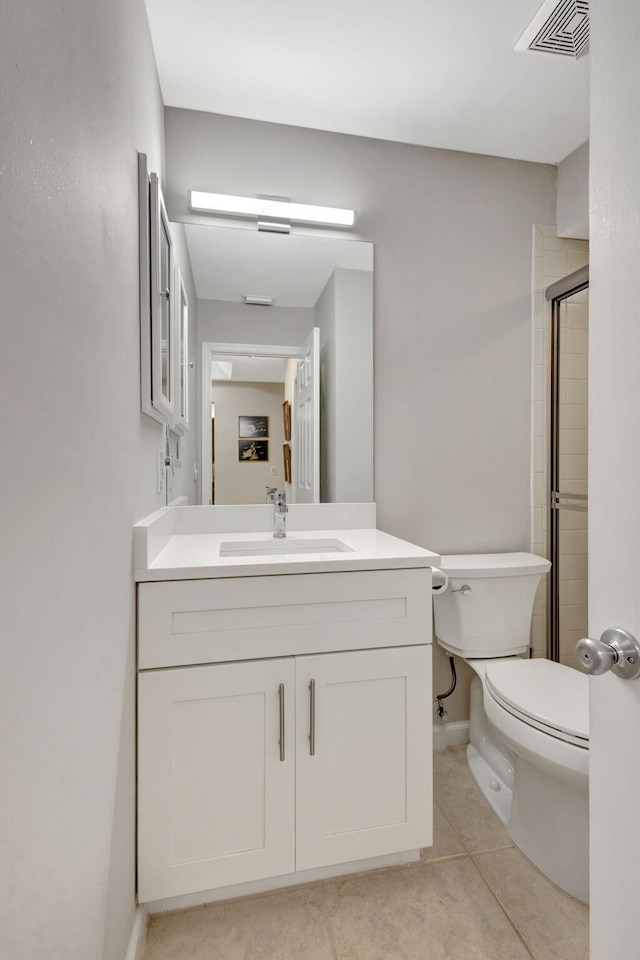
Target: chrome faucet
{"x":280,"y":509}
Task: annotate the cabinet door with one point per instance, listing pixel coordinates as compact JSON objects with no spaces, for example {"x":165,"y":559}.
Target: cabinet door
{"x":363,"y":754}
{"x":215,"y":789}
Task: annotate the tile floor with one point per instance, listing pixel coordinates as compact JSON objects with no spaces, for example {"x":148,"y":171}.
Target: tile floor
{"x":473,"y":896}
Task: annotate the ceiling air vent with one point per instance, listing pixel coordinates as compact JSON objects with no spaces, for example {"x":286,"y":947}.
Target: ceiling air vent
{"x":558,"y":27}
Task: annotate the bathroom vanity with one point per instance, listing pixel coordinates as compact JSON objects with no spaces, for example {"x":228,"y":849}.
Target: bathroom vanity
{"x":284,"y":699}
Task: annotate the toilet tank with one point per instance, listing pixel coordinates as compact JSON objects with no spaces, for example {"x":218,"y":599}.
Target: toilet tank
{"x":487,"y":607}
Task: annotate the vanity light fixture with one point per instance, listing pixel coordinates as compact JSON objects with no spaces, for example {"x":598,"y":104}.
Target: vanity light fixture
{"x":278,"y":209}
{"x":260,"y":301}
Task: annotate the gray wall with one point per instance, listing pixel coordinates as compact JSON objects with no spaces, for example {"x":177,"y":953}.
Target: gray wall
{"x":572,"y":207}
{"x":221,"y":321}
{"x":325,"y":319}
{"x":80,"y":97}
{"x":452,"y":302}
{"x":343,"y":313}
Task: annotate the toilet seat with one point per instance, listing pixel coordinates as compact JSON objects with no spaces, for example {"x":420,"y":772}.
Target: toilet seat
{"x":543,"y":694}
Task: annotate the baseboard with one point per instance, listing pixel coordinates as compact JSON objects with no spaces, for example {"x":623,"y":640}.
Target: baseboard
{"x":138,"y":937}
{"x":452,"y":734}
{"x":253,"y":887}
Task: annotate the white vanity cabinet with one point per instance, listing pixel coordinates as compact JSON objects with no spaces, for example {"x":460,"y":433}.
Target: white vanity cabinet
{"x":297,"y":736}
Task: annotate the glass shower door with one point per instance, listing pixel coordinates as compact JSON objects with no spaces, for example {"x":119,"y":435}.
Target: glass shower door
{"x":568,"y":617}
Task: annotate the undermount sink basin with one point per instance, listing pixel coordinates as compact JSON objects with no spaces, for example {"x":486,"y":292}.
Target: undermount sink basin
{"x":280,"y":546}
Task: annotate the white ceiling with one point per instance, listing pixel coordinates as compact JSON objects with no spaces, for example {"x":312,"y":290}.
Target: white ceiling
{"x":228,"y":264}
{"x":441,"y":73}
{"x":248,"y":369}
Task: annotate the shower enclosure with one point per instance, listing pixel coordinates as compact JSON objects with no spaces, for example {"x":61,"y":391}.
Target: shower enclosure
{"x":568,"y":452}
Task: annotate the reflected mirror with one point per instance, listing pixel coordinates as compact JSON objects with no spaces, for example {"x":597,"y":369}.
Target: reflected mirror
{"x":286,"y":389}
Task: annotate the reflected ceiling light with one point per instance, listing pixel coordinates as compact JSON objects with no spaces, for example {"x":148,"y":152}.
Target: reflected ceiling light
{"x":278,"y":209}
{"x":260,"y":301}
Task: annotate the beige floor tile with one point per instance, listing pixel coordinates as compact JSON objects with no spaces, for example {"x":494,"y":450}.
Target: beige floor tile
{"x":433,"y":911}
{"x":553,"y":924}
{"x":462,"y":803}
{"x":285,"y":926}
{"x":445,"y":840}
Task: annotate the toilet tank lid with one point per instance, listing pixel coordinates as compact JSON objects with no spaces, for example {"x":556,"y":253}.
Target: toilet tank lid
{"x":470,"y":565}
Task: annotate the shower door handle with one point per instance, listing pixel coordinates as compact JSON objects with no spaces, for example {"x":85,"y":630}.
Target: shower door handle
{"x":616,"y":650}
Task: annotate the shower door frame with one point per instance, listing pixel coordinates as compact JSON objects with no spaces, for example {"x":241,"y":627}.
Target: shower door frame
{"x":557,"y":293}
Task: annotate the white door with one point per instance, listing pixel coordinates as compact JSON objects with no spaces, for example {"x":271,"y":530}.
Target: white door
{"x":216,"y":775}
{"x":614,"y":470}
{"x":363,"y":755}
{"x":306,"y":424}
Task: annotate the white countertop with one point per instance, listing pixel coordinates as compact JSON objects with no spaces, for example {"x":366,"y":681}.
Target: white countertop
{"x":190,"y":555}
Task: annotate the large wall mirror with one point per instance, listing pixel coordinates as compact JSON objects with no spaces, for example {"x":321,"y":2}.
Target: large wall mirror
{"x":286,"y":383}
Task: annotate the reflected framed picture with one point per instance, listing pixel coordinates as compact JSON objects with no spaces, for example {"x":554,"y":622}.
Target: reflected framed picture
{"x":286,"y":419}
{"x":250,"y":451}
{"x":286,"y":455}
{"x":251,"y":427}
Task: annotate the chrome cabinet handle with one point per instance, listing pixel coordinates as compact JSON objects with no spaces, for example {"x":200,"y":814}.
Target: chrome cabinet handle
{"x":281,"y":699}
{"x":312,"y":718}
{"x":616,"y":650}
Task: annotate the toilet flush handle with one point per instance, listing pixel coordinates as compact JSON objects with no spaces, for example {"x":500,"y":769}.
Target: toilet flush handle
{"x":616,"y":650}
{"x":464,"y":589}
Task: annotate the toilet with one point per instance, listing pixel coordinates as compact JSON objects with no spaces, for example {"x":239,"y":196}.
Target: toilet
{"x":529,"y":718}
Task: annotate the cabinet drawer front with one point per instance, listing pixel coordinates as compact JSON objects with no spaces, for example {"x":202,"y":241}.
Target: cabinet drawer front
{"x":243,"y":618}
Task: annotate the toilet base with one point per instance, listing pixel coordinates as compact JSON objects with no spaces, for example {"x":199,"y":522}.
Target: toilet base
{"x":549,"y":822}
{"x":494,"y":790}
{"x":545,"y":814}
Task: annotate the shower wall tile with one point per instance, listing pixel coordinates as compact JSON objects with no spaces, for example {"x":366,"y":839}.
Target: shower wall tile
{"x":574,"y":416}
{"x":573,"y":441}
{"x":577,"y":246}
{"x":574,"y":542}
{"x":573,"y":467}
{"x":554,"y":243}
{"x":578,"y":313}
{"x":574,"y":520}
{"x":573,"y":616}
{"x":574,"y":568}
{"x":555,"y":264}
{"x":577,"y":366}
{"x":575,"y":592}
{"x":576,"y":391}
{"x":576,"y":260}
{"x":577,"y":340}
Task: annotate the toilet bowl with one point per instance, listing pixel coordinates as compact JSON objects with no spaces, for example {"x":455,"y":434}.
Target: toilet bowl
{"x":529,"y":718}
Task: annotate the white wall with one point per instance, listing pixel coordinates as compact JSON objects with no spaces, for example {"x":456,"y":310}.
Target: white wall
{"x":572,"y":206}
{"x":80,"y":96}
{"x":246,"y":482}
{"x":452,"y":310}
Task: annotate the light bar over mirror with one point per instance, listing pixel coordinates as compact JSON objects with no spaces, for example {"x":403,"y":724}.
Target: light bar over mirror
{"x":250,"y":207}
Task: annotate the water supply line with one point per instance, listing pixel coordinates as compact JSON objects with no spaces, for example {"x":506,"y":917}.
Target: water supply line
{"x":442,"y":713}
